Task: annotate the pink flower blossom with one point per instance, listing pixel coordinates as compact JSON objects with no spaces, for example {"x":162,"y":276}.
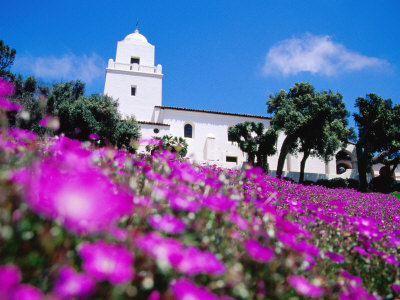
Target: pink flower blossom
{"x":183,"y":203}
{"x":335,"y":257}
{"x":195,"y":261}
{"x":303,"y":287}
{"x":80,"y":197}
{"x":107,"y":261}
{"x":26,"y":292}
{"x":94,"y":136}
{"x":71,"y":284}
{"x":362,"y":251}
{"x":167,"y":223}
{"x":258,"y":251}
{"x":239,"y":221}
{"x":353,"y":278}
{"x":155,"y":295}
{"x":184,"y":289}
{"x":396,"y":288}
{"x":219,"y":203}
{"x":6,"y":87}
{"x":8,"y":105}
{"x":391,"y":260}
{"x":50,"y":122}
{"x":10,"y":276}
{"x":164,"y":249}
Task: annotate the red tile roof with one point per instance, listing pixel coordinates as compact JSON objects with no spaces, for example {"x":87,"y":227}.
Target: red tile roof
{"x":214,"y":112}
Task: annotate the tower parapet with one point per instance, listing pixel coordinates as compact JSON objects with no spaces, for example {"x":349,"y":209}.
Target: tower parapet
{"x":134,"y":79}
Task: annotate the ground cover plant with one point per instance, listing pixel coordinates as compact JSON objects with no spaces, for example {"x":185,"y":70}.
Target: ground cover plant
{"x":78,"y":221}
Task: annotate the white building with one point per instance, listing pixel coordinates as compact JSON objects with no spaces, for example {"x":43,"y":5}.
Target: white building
{"x":135,"y":80}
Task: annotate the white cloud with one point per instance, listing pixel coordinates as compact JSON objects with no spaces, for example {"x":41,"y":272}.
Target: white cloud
{"x":66,"y":67}
{"x":315,"y":54}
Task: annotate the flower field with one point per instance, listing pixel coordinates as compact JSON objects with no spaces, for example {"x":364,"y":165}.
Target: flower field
{"x":82,"y":222}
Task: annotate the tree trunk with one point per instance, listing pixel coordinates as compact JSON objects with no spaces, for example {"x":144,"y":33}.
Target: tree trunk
{"x":287,"y":144}
{"x":303,"y":165}
{"x":362,"y":168}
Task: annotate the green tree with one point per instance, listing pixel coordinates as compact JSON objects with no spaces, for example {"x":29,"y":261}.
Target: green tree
{"x":253,"y":139}
{"x":7,"y":56}
{"x":171,"y":143}
{"x":96,"y":115}
{"x":378,"y":123}
{"x":32,"y":97}
{"x":313,"y":123}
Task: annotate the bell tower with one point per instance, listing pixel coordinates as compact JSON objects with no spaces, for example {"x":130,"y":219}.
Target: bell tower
{"x":133,"y":78}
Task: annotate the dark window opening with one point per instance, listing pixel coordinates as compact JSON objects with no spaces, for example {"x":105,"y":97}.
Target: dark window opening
{"x":135,"y":60}
{"x":188,"y":131}
{"x":156,"y":130}
{"x":133,"y":90}
{"x":231,"y":159}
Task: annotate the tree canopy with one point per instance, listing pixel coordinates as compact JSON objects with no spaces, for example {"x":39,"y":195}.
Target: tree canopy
{"x":314,"y":123}
{"x":253,"y":139}
{"x":378,"y":123}
{"x":7,"y":56}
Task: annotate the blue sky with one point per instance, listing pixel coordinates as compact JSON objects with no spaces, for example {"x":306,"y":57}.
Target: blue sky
{"x":217,"y":55}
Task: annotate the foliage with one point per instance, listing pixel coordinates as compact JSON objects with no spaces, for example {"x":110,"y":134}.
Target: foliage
{"x":174,"y":144}
{"x":7,"y":56}
{"x":382,"y":184}
{"x":378,"y":123}
{"x":315,"y":123}
{"x":253,"y":139}
{"x":339,"y":183}
{"x":32,"y":97}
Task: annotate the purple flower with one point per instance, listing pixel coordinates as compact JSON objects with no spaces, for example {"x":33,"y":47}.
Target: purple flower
{"x":50,"y":122}
{"x":26,"y":292}
{"x":10,"y":276}
{"x":155,"y":295}
{"x":353,"y":278}
{"x":239,"y":221}
{"x":107,"y":261}
{"x":179,"y":202}
{"x":303,"y":287}
{"x":8,"y":105}
{"x":391,"y":260}
{"x":195,"y":261}
{"x":6,"y":87}
{"x":71,"y":284}
{"x":396,"y":288}
{"x":80,"y":196}
{"x":184,"y":289}
{"x":164,"y":249}
{"x":335,"y":257}
{"x":167,"y":223}
{"x":219,"y":203}
{"x":94,"y":136}
{"x":362,"y":251}
{"x":258,"y":251}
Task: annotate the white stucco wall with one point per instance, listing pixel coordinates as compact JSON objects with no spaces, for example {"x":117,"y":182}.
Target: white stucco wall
{"x":148,"y":92}
{"x":121,"y":76}
{"x":210,"y":135}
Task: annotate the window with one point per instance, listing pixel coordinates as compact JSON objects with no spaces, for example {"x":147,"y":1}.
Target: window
{"x":135,"y":60}
{"x":231,"y":159}
{"x":188,"y":131}
{"x":133,"y":90}
{"x":156,"y":130}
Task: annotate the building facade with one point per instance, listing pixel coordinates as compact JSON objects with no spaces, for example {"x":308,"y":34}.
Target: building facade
{"x":135,"y":80}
